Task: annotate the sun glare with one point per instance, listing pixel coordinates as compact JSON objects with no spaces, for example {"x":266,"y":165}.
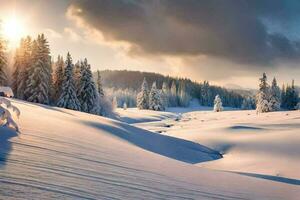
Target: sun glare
{"x":13,"y":30}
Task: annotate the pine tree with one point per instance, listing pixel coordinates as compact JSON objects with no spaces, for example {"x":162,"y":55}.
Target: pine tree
{"x":174,"y":96}
{"x":155,"y":102}
{"x":274,"y":100}
{"x":68,"y":98}
{"x":262,"y":103}
{"x":292,"y":97}
{"x":99,"y":84}
{"x":88,"y":95}
{"x":165,"y":95}
{"x":143,"y":96}
{"x":3,"y":62}
{"x":218,"y":104}
{"x":283,"y":96}
{"x":115,"y":102}
{"x":39,"y":73}
{"x":21,"y":67}
{"x":184,"y":98}
{"x":58,"y":78}
{"x":248,"y":103}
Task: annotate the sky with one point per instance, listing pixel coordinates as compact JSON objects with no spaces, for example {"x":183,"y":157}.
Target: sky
{"x":226,"y":42}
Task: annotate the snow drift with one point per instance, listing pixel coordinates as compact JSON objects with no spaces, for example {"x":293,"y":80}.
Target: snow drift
{"x":63,"y":154}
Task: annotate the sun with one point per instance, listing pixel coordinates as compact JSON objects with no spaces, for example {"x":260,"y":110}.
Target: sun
{"x":13,"y":30}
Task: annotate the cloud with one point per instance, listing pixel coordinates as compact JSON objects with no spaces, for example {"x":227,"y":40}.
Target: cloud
{"x":52,"y":33}
{"x":231,"y":30}
{"x":72,"y":35}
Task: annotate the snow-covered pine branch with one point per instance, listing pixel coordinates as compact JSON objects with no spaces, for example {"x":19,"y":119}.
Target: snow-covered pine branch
{"x":6,"y":118}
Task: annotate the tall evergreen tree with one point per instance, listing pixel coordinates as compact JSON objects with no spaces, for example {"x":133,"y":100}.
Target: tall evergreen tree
{"x":165,"y":92}
{"x":292,"y":97}
{"x":174,"y":95}
{"x":143,"y":96}
{"x":58,"y":78}
{"x":184,"y":98}
{"x":3,"y":62}
{"x":88,"y":94}
{"x":262,"y":103}
{"x":283,"y":97}
{"x":99,"y":84}
{"x":155,"y":102}
{"x":21,"y":67}
{"x":274,"y":100}
{"x":68,"y":98}
{"x":39,"y":73}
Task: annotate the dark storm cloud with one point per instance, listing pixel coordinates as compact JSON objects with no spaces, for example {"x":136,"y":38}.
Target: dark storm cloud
{"x":233,"y":29}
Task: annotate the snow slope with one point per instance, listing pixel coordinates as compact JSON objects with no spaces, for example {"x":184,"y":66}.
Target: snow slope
{"x":263,"y":146}
{"x":63,"y":154}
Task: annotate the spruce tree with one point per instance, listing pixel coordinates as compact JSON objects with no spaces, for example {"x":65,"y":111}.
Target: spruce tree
{"x":274,"y":100}
{"x":99,"y":84}
{"x":38,"y":84}
{"x":58,"y":77}
{"x":174,"y":96}
{"x":68,"y":98}
{"x":262,"y":103}
{"x":165,"y":95}
{"x":218,"y":104}
{"x":115,"y":102}
{"x":143,"y":96}
{"x":21,"y":67}
{"x":155,"y":102}
{"x":88,"y":94}
{"x":292,"y":97}
{"x":3,"y":62}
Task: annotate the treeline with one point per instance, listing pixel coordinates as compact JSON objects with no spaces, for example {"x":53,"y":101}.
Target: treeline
{"x":204,"y":92}
{"x":271,"y":98}
{"x":37,"y":79}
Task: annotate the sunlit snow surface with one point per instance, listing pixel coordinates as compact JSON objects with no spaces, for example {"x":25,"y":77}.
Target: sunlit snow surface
{"x":62,"y":154}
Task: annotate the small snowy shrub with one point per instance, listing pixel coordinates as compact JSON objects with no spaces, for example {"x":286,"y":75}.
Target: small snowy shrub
{"x":6,"y":118}
{"x":297,"y":106}
{"x":125,"y":106}
{"x":218,"y":104}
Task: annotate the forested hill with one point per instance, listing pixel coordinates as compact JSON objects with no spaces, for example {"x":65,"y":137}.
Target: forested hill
{"x":123,"y":79}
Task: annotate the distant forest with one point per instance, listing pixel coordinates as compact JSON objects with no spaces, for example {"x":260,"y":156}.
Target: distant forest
{"x":120,"y":80}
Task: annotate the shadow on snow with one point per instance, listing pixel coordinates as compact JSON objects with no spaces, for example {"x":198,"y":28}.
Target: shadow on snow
{"x":175,"y":148}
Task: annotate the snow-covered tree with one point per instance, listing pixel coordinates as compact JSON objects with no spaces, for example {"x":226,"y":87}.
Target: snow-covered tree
{"x":68,"y":98}
{"x":21,"y":67}
{"x":297,"y":107}
{"x":143,"y":96}
{"x":155,"y":102}
{"x":262,"y":98}
{"x":58,"y":78}
{"x":218,"y":104}
{"x":274,"y":99}
{"x":99,"y":84}
{"x":165,"y":92}
{"x":6,"y":118}
{"x":248,"y":103}
{"x":173,"y":95}
{"x":125,"y":106}
{"x":3,"y":62}
{"x":184,"y":98}
{"x":39,"y":73}
{"x":115,"y":102}
{"x":87,"y":94}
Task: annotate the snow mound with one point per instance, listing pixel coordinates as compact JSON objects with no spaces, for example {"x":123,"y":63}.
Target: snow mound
{"x":63,"y":154}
